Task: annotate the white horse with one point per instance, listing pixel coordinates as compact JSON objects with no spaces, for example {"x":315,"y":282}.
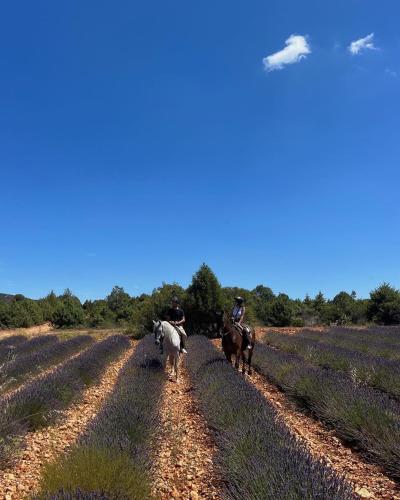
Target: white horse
{"x":167,"y":334}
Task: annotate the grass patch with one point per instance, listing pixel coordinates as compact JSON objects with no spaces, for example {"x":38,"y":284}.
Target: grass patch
{"x":96,"y":469}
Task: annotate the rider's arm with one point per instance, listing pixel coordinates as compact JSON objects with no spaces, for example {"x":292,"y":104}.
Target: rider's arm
{"x":242,"y":315}
{"x":181,"y":322}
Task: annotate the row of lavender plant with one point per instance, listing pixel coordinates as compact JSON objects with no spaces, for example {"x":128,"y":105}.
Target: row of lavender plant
{"x":19,"y":345}
{"x":12,"y":340}
{"x":113,"y":455}
{"x":360,"y":415}
{"x":38,"y":403}
{"x":257,"y":454}
{"x":377,"y":341}
{"x":19,"y":368}
{"x":378,"y":372}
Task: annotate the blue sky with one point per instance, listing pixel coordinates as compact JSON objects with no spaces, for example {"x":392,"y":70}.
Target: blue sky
{"x":139,"y":139}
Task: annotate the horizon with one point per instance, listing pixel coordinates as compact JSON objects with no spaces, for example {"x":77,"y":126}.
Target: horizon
{"x":150,"y":291}
{"x":139,"y":140}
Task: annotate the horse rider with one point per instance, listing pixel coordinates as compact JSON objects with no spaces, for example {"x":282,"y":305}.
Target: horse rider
{"x":237,"y":317}
{"x":176,"y":317}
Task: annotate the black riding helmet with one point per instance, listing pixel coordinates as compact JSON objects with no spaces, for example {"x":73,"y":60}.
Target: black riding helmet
{"x":239,"y":300}
{"x":175,"y":300}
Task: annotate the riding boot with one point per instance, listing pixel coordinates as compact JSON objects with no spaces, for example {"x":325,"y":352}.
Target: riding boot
{"x":161,"y":347}
{"x":183,"y":344}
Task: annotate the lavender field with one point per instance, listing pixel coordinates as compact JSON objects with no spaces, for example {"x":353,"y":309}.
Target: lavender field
{"x":95,"y":416}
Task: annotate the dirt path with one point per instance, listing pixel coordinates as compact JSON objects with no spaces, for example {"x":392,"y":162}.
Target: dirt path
{"x":47,"y":444}
{"x":369,"y":481}
{"x":183,"y":448}
{"x":31,"y":331}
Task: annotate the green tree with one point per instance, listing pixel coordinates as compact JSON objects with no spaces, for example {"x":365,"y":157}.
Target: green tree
{"x":98,"y":314}
{"x":204,"y":300}
{"x":262,"y":299}
{"x":384,"y":306}
{"x":69,"y":312}
{"x":5,"y":317}
{"x":344,"y":308}
{"x":121,"y":304}
{"x":282,"y":311}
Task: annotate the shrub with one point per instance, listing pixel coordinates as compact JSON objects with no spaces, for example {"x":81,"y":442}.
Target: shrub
{"x":96,"y":469}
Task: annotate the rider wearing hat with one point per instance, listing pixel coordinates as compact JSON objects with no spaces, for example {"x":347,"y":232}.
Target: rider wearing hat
{"x":176,"y":317}
{"x":237,"y":317}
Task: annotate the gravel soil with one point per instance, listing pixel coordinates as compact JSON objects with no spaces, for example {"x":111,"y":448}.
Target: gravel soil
{"x":184,"y":449}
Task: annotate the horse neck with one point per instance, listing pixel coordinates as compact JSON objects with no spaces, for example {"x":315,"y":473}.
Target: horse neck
{"x":171,"y":340}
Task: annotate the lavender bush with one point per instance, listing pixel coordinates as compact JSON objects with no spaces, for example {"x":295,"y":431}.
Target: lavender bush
{"x":378,"y":372}
{"x":359,"y":414}
{"x":18,"y":368}
{"x":19,"y":345}
{"x":37,"y":404}
{"x":113,"y":453}
{"x":12,"y":340}
{"x":258,"y":456}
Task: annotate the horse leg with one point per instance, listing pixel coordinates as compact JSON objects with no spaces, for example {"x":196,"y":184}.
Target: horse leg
{"x":237,"y":360}
{"x":243,"y":363}
{"x":228,"y":356}
{"x":249,"y":359}
{"x":170,"y":366}
{"x":176,"y":365}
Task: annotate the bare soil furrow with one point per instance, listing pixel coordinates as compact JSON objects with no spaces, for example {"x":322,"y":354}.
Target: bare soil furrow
{"x":184,"y":448}
{"x":21,"y":479}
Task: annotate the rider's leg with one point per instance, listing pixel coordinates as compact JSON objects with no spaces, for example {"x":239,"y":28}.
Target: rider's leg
{"x":247,"y":333}
{"x":161,"y":345}
{"x":183,"y":342}
{"x":183,"y":337}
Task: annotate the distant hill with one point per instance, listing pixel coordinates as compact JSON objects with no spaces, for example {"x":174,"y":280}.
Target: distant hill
{"x":6,"y":297}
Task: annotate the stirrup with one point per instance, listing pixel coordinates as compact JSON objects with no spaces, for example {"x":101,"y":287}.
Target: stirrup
{"x":183,"y":350}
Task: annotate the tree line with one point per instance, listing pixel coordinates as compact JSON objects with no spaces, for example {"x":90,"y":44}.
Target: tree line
{"x":203,"y":301}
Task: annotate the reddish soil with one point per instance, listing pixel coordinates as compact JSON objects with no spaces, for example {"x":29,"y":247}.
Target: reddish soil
{"x":183,"y":465}
{"x":290,"y":330}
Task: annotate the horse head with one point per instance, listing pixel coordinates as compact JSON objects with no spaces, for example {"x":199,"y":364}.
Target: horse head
{"x":158,"y":331}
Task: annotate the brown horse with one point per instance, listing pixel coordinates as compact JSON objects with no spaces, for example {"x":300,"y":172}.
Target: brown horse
{"x":233,"y":343}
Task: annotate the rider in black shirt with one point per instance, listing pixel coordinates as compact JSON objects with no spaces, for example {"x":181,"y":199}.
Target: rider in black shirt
{"x":176,"y":317}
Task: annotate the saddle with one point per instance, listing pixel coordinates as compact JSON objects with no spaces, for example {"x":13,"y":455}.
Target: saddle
{"x":241,"y":328}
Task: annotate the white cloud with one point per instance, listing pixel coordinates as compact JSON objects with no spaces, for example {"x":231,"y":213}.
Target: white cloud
{"x":391,"y":73}
{"x":296,"y":49}
{"x":362,"y":44}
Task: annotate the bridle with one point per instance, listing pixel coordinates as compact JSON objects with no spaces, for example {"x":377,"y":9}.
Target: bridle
{"x":159,"y":327}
